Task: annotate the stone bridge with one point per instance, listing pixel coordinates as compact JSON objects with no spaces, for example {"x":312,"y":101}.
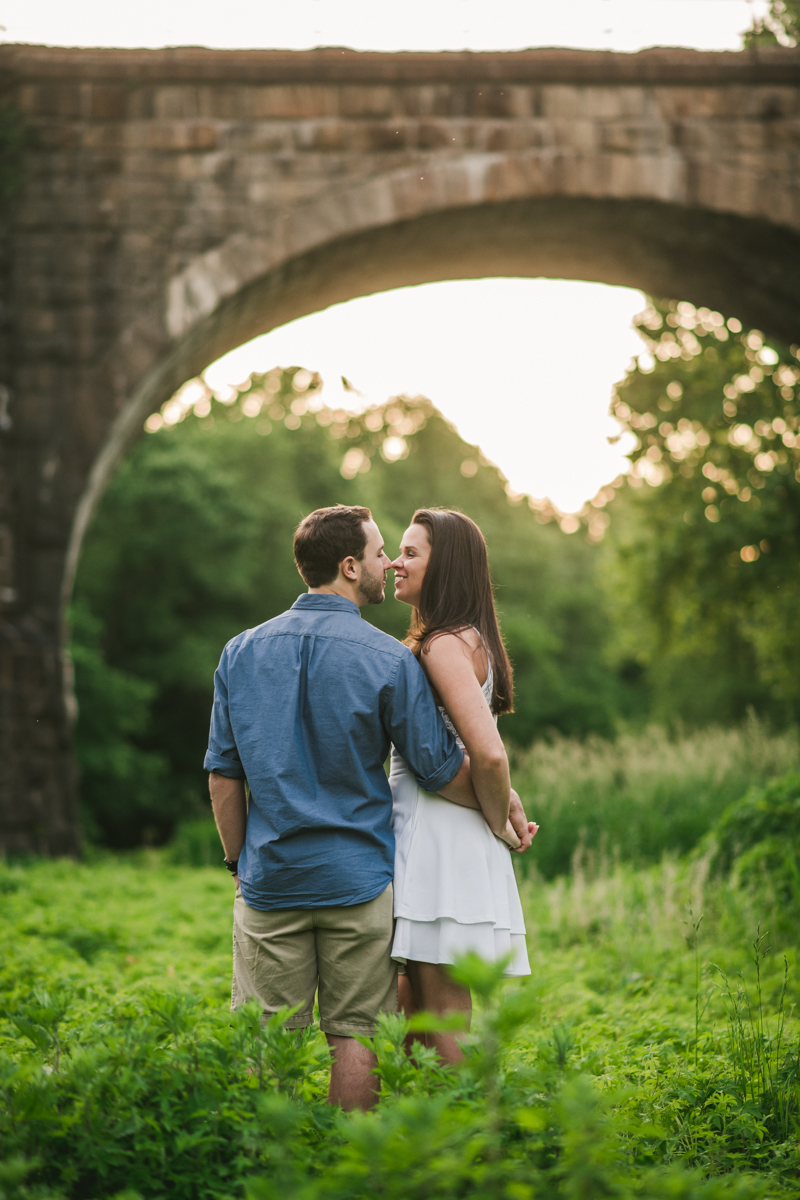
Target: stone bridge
{"x":174,"y":203}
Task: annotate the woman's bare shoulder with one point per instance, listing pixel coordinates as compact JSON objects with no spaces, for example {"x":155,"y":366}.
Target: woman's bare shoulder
{"x":453,"y":645}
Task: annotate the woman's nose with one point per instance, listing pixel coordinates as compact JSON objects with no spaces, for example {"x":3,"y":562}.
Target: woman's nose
{"x":398,"y":562}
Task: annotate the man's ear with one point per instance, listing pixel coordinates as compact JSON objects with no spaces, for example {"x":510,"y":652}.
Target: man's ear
{"x":348,"y":568}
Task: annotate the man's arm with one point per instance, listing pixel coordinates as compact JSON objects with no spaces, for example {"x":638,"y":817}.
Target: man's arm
{"x":460,"y":790}
{"x":226,"y":778}
{"x":229,"y":805}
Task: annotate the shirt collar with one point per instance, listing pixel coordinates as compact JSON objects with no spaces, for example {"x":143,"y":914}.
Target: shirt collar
{"x":326,"y":600}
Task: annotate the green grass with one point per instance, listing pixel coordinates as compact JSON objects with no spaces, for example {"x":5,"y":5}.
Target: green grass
{"x":645,"y":793}
{"x":621,"y":1059}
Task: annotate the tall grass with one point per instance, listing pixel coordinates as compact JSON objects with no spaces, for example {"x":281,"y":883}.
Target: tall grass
{"x":643,"y":794}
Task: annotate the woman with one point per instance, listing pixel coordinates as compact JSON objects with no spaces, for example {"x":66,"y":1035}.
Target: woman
{"x":454,"y":884}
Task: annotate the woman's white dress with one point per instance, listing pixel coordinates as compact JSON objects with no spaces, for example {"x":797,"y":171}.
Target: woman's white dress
{"x":454,"y":884}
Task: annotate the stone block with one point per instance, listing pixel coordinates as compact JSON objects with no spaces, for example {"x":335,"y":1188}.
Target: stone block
{"x":742,"y":135}
{"x":699,"y":103}
{"x":55,"y":135}
{"x":142,"y":101}
{"x":784,"y":136}
{"x":107,"y":136}
{"x":617,"y":103}
{"x":492,"y":101}
{"x":328,"y":136}
{"x":560,"y":100}
{"x":171,"y":135}
{"x":427,"y":100}
{"x":634,"y":137}
{"x":177,"y":102}
{"x":262,"y":137}
{"x":107,"y":102}
{"x":434,"y":135}
{"x":61,"y":100}
{"x":378,"y":137}
{"x":691,"y":136}
{"x":515,"y":135}
{"x":580,"y":136}
{"x":368,"y":102}
{"x":770,"y":103}
{"x":299,"y":102}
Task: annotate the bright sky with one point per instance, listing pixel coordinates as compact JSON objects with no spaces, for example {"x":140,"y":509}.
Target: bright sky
{"x":522,"y":367}
{"x":372,"y":25}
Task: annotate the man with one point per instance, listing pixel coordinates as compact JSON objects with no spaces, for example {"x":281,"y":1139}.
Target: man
{"x":305,"y":709}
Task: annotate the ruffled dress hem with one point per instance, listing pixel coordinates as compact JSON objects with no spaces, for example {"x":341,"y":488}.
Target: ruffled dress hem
{"x":444,"y":940}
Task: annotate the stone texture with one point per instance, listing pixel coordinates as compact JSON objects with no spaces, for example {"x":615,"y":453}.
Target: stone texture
{"x":178,"y":202}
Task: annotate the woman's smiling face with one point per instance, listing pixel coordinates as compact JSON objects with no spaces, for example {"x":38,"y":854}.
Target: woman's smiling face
{"x":411,"y":564}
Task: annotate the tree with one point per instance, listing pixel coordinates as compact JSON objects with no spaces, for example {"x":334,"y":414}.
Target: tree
{"x":706,"y":538}
{"x":780,"y":26}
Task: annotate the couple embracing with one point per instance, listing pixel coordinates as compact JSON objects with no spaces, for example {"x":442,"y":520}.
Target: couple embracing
{"x":344,"y":877}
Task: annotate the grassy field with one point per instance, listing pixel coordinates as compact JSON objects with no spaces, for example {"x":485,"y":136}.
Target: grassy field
{"x":646,"y":792}
{"x":636,"y":1062}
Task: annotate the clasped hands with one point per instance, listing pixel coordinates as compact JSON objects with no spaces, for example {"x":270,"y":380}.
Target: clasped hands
{"x":519,"y":831}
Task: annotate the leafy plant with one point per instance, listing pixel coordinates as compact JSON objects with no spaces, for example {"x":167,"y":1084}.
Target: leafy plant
{"x":760,"y":837}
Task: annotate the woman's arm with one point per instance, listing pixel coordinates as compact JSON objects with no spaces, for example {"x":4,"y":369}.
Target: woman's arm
{"x":448,"y":663}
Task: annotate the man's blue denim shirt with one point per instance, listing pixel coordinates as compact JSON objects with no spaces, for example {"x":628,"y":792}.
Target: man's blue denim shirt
{"x":305,"y":708}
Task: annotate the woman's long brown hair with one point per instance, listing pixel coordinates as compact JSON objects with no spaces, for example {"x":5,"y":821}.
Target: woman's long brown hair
{"x":457,"y":592}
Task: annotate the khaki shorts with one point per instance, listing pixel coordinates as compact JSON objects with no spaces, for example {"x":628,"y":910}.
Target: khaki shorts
{"x":281,"y":958}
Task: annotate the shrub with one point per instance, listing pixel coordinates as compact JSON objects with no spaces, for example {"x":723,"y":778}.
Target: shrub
{"x":760,"y":837}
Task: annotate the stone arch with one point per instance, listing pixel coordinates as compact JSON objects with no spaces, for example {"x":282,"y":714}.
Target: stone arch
{"x":185,"y":201}
{"x":473,"y":220}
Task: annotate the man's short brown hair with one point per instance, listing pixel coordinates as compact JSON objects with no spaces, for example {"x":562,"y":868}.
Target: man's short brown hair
{"x":325,"y":537}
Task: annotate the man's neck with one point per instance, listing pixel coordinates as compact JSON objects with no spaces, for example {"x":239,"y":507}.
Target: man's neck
{"x":337,"y":589}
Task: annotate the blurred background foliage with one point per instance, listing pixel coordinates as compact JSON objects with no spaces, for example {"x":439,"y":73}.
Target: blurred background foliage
{"x":669,"y":599}
{"x":779,"y":26}
{"x":703,"y":563}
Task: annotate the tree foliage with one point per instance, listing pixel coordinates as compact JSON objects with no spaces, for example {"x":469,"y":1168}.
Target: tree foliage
{"x":706,"y":569}
{"x":780,"y":26}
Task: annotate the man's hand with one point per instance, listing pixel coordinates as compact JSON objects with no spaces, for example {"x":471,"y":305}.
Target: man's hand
{"x":524,"y":829}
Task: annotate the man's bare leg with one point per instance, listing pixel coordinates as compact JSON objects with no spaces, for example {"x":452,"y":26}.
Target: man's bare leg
{"x":434,"y":991}
{"x":352,"y":1083}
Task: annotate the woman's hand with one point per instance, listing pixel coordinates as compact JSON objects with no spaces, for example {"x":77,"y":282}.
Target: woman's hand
{"x":525,"y":830}
{"x":509,"y":837}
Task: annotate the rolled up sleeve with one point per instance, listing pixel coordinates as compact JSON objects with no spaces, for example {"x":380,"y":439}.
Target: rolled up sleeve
{"x":415,"y":726}
{"x":222,"y":756}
